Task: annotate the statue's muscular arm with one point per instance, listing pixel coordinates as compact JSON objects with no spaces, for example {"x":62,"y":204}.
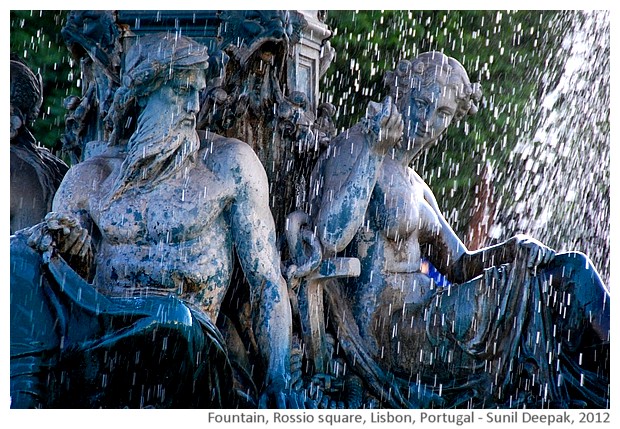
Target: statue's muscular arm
{"x":254,"y":238}
{"x":70,"y":219}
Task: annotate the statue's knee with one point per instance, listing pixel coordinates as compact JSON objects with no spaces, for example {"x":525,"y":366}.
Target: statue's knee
{"x":580,"y":274}
{"x":173,"y":313}
{"x":574,"y":263}
{"x":576,"y":259}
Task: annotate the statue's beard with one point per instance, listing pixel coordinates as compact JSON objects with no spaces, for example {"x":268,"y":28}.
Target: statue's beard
{"x":155,"y":152}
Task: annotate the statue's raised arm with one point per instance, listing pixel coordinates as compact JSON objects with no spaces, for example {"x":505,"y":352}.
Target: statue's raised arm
{"x":342,"y":182}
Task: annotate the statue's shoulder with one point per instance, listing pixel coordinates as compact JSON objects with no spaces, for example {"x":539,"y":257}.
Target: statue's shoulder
{"x":350,"y":136}
{"x":347,"y":144}
{"x":227,"y":152}
{"x":342,"y":152}
{"x":97,"y":168}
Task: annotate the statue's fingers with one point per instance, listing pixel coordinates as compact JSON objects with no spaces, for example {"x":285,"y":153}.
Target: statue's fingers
{"x":84,"y":241}
{"x":386,"y":110}
{"x":541,"y":256}
{"x":58,"y":220}
{"x":549,"y":255}
{"x":395,"y":119}
{"x":398,"y":130}
{"x":400,"y":124}
{"x":528,"y":252}
{"x":394,"y":132}
{"x":69,"y":221}
{"x":533,"y":256}
{"x":54,"y":219}
{"x":45,"y":242}
{"x":373,"y":109}
{"x":54,"y":224}
{"x":51,"y":215}
{"x":35,"y":236}
{"x":396,"y":126}
{"x":70,"y":239}
{"x":387,"y":102}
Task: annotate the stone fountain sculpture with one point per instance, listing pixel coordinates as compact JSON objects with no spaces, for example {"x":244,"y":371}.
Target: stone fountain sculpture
{"x":516,"y":326}
{"x":35,"y":171}
{"x":206,"y":173}
{"x":151,"y":223}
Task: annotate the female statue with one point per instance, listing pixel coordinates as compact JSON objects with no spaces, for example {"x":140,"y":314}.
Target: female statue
{"x":517,"y":326}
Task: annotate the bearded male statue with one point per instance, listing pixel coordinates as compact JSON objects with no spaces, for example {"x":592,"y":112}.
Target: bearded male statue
{"x":153,"y":223}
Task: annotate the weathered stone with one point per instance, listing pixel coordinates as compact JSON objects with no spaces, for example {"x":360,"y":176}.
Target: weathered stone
{"x":157,"y":281}
{"x":35,"y":172}
{"x":159,"y":215}
{"x":477,"y":342}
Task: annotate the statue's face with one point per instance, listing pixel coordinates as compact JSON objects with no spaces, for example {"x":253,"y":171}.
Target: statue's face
{"x":16,"y":121}
{"x":178,"y":99}
{"x":430,"y":111}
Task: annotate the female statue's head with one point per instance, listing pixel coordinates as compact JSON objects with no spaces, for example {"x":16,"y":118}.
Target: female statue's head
{"x":431,"y":92}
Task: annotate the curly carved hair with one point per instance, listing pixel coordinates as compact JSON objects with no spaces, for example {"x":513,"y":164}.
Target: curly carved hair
{"x":26,"y":91}
{"x":150,"y":62}
{"x":426,"y":69}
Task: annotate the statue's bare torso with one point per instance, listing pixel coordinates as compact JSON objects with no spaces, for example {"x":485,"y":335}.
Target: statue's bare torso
{"x":396,"y":293}
{"x":170,"y":238}
{"x":392,"y":293}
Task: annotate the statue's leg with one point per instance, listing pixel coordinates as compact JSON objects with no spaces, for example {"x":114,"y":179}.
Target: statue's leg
{"x":154,"y":352}
{"x":579,"y":304}
{"x":144,"y":356}
{"x":574,"y":273}
{"x":35,"y":341}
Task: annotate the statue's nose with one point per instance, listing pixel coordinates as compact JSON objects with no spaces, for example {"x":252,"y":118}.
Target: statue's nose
{"x":193,"y":104}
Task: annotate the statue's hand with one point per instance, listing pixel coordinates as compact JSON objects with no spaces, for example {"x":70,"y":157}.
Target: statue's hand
{"x":537,"y":253}
{"x":384,"y":123}
{"x":64,"y":233}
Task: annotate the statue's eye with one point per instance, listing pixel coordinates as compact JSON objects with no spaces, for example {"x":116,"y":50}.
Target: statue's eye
{"x":182,"y":89}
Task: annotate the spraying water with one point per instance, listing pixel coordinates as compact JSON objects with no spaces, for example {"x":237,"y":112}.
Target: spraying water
{"x":557,"y":183}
